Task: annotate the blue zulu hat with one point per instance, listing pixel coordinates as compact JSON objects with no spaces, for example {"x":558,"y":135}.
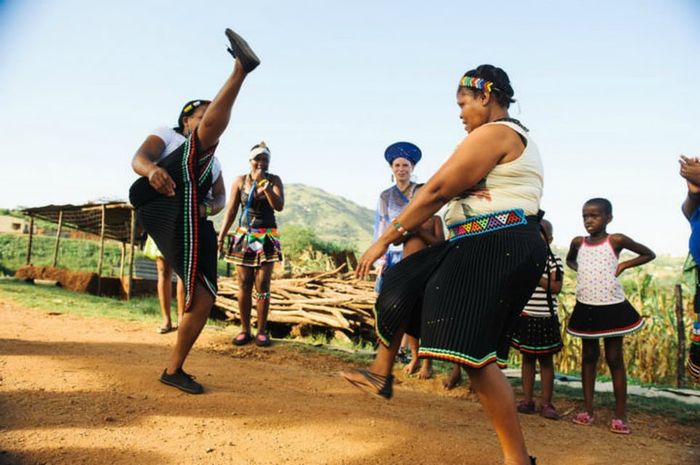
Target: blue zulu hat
{"x":405,"y":150}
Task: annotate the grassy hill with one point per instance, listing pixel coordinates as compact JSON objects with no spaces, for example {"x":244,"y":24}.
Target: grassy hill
{"x":331,"y":217}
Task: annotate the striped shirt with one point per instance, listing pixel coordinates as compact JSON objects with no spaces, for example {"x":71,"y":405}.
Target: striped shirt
{"x":538,"y":306}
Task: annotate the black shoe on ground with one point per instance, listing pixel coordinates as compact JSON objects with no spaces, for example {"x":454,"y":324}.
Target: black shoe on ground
{"x":182,"y":381}
{"x":240,"y":49}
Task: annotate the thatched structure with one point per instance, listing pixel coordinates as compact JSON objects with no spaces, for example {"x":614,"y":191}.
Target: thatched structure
{"x":111,"y":220}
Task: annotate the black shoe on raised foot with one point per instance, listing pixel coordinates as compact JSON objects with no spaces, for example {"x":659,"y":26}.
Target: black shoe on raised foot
{"x":240,"y":49}
{"x":182,"y":381}
{"x":533,"y":460}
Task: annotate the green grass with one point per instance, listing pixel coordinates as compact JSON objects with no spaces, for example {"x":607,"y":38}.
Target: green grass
{"x":74,"y":254}
{"x":55,"y":299}
{"x":659,"y":406}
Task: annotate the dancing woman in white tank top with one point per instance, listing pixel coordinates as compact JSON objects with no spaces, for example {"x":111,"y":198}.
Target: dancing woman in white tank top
{"x":601,"y":308}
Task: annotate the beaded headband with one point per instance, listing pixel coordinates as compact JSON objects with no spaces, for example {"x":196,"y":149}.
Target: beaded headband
{"x":477,"y":83}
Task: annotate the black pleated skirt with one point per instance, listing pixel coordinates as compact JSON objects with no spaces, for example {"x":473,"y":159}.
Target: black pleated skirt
{"x":596,"y":321}
{"x":463,"y":297}
{"x":537,"y":335}
{"x":187,"y":242}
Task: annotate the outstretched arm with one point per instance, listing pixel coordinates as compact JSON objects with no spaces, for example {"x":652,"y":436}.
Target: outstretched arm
{"x":572,"y":255}
{"x":218,"y":114}
{"x":620,"y":242}
{"x":471,"y":162}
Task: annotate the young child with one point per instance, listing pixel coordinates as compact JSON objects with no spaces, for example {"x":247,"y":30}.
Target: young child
{"x":537,"y":334}
{"x":601,"y":308}
{"x":690,"y":172}
{"x":430,"y":233}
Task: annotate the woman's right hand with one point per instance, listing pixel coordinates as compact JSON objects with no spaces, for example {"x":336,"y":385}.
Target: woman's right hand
{"x":161,"y":181}
{"x":371,"y":255}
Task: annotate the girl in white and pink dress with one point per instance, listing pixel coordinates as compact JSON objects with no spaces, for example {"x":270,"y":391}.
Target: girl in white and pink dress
{"x":601,"y":309}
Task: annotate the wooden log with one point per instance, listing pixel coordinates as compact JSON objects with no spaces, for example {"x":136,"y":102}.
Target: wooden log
{"x":299,"y":290}
{"x":132,"y":240}
{"x":58,"y":238}
{"x":121,"y":261}
{"x":31,"y":236}
{"x":680,"y":328}
{"x":330,"y":273}
{"x":102,"y":242}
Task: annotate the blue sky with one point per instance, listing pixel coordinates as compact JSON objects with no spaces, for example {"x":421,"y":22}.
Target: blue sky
{"x":608,"y":89}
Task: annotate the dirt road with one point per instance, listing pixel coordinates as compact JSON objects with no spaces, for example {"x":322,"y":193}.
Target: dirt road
{"x":78,"y":390}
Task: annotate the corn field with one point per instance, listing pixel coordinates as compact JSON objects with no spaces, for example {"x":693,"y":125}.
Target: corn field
{"x":651,"y":353}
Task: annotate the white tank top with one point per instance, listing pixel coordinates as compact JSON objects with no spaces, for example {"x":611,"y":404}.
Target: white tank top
{"x":596,"y":283}
{"x":515,"y":184}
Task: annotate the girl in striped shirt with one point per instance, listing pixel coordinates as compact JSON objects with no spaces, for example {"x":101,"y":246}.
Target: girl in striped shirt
{"x":537,"y":334}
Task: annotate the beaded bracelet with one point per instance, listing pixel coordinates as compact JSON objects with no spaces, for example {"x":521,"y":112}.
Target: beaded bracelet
{"x":403,"y":231}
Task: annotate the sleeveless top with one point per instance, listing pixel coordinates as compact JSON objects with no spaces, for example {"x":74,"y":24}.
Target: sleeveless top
{"x":261,"y":214}
{"x":173,"y":140}
{"x":596,"y":283}
{"x":514,"y":184}
{"x":391,"y":202}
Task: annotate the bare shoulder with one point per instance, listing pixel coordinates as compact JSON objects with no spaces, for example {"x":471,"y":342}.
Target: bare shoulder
{"x":618,"y":239}
{"x":577,"y":241}
{"x":237,"y":181}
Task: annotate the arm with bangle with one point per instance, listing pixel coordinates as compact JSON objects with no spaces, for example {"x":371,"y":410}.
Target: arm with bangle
{"x":218,"y":201}
{"x":478,"y":154}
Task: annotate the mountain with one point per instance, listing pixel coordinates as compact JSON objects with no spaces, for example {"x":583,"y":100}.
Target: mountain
{"x":331,"y":217}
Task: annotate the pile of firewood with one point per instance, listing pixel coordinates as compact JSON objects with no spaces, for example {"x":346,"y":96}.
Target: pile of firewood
{"x":331,"y":300}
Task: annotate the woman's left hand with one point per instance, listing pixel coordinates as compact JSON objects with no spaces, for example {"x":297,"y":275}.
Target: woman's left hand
{"x":371,"y":255}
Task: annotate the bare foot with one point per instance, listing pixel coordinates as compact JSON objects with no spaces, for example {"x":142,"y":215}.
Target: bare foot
{"x":426,"y":369}
{"x":411,"y":367}
{"x":455,"y":378}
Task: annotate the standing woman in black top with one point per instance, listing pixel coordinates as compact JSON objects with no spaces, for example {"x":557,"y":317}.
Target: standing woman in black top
{"x":256,"y":243}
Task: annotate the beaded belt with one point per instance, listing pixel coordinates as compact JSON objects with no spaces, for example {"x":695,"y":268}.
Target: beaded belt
{"x":487,"y":223}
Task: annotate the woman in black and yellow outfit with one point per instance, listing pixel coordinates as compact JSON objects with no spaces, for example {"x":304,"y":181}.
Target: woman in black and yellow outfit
{"x":462,"y":297}
{"x":255,"y":246}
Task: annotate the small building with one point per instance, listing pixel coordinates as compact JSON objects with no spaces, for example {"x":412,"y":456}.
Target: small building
{"x":13,"y":225}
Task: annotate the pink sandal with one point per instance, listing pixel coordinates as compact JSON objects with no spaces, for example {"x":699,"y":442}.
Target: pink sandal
{"x":583,"y":418}
{"x":619,"y":426}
